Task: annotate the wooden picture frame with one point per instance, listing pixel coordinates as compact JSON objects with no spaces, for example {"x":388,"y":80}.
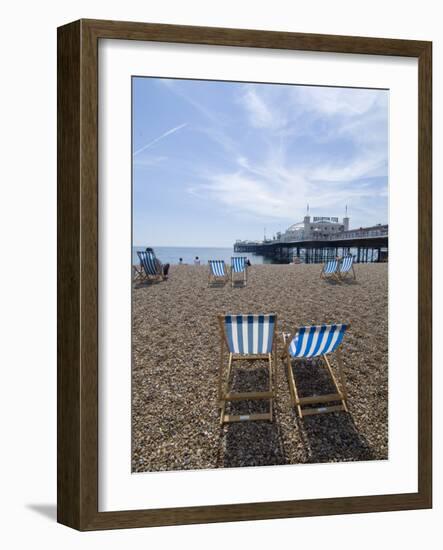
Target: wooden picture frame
{"x":77,"y":480}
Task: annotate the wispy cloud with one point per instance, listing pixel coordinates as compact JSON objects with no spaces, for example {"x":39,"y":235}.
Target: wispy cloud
{"x":276,"y":185}
{"x":174,"y":87}
{"x":279,"y":193}
{"x":258,"y":154}
{"x":212,"y":126}
{"x":157,"y":139}
{"x":150,"y":160}
{"x":348,"y":102}
{"x":369,"y":165}
{"x":261,"y":113}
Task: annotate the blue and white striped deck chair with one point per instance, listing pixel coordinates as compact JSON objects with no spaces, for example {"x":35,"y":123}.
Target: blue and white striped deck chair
{"x":217,"y":272}
{"x":238,"y":265}
{"x":150,"y":267}
{"x":247,"y":338}
{"x":316,"y":341}
{"x":329,"y":270}
{"x":345,"y":267}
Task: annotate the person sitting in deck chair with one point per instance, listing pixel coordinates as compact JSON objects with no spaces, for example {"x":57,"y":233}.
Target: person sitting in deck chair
{"x":152,"y":267}
{"x":162,"y":268}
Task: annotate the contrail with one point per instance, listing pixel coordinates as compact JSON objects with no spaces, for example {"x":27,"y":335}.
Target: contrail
{"x":168,"y":133}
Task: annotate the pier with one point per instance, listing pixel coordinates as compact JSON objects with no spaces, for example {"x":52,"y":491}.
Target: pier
{"x":366,"y":244}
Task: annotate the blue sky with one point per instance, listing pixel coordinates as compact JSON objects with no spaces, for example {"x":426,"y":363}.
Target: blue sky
{"x":218,"y":161}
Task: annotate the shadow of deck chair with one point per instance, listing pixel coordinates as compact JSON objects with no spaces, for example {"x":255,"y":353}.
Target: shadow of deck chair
{"x":151,"y":268}
{"x":330,"y":270}
{"x":309,"y":342}
{"x":217,"y":272}
{"x":238,"y":266}
{"x":247,"y":338}
{"x":345,"y":267}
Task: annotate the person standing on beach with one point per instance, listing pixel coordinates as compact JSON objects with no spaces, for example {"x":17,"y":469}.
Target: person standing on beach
{"x":180,"y":262}
{"x":197,"y":261}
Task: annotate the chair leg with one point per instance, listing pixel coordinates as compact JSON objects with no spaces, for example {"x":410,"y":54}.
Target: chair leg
{"x":288,"y":374}
{"x":341,"y":392}
{"x":220,"y":375}
{"x":275,"y":369}
{"x":271,"y":385}
{"x":293,"y":388}
{"x":342,"y":379}
{"x":226,"y":389}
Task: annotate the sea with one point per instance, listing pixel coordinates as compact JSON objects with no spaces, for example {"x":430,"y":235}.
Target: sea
{"x":172,"y":254}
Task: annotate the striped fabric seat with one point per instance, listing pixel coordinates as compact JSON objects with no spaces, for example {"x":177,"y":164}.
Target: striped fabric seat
{"x":346,"y":264}
{"x":238,"y":264}
{"x":330,"y":267}
{"x":217,"y":268}
{"x":250,"y":334}
{"x":316,"y":340}
{"x":147,"y":260}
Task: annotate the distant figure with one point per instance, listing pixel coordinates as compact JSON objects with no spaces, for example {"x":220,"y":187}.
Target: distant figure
{"x":196,"y":261}
{"x":180,"y":262}
{"x":248,"y":262}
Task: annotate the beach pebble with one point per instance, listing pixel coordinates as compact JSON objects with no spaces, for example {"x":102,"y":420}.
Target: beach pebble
{"x":175,"y":368}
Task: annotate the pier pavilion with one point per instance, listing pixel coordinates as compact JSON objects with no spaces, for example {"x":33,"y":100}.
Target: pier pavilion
{"x":322,"y":241}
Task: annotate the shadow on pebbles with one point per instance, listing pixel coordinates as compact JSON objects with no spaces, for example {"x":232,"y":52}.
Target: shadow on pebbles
{"x":176,"y":348}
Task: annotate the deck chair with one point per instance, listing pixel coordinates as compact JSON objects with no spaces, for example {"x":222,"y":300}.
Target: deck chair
{"x":246,"y":338}
{"x":329,"y":270}
{"x":238,"y":265}
{"x":345,"y":267}
{"x":151,"y":268}
{"x":316,"y":341}
{"x":138,"y":273}
{"x":217,"y":272}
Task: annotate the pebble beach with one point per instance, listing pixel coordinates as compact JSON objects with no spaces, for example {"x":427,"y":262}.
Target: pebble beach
{"x":176,"y":350}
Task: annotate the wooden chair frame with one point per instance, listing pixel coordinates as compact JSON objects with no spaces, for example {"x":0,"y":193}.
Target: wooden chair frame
{"x":217,"y":279}
{"x":244,"y":280}
{"x":224,"y":395}
{"x":343,"y":276}
{"x":321,"y":400}
{"x":138,"y":273}
{"x":334,"y":275}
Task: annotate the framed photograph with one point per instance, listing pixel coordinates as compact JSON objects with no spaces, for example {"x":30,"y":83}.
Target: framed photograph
{"x":244,"y":274}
